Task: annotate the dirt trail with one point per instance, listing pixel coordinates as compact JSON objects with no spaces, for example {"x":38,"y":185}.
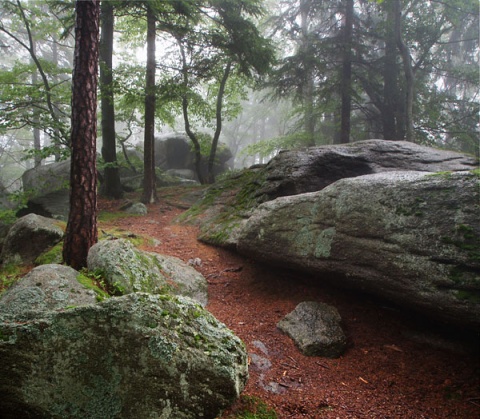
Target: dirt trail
{"x":388,"y":371}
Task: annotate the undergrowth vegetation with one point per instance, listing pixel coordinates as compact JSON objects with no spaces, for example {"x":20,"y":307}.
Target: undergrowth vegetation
{"x":250,"y":407}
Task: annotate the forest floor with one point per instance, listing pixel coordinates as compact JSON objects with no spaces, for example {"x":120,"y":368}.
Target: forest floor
{"x":395,"y":367}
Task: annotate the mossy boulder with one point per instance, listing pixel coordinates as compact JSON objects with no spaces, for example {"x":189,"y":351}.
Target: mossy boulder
{"x":136,"y":356}
{"x":48,"y":189}
{"x":127,"y":269}
{"x":29,"y":237}
{"x":225,"y":207}
{"x":409,"y":237}
{"x":46,"y":287}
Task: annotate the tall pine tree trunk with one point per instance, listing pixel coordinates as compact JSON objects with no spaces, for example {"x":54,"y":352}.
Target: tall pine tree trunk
{"x":81,"y":231}
{"x":347,"y":74}
{"x":390,"y":77}
{"x":111,"y":186}
{"x":149,"y":182}
{"x":309,"y":84}
{"x":408,"y":70}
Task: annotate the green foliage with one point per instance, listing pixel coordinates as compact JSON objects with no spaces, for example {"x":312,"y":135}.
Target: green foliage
{"x":237,"y":194}
{"x":9,"y":274}
{"x":252,"y":407}
{"x":271,"y":146}
{"x":63,"y":153}
{"x":94,"y":281}
{"x":35,"y":73}
{"x":8,"y":217}
{"x":53,"y":255}
{"x":443,"y":42}
{"x":19,"y":199}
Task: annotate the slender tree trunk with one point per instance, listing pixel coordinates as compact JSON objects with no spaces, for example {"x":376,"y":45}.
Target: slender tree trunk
{"x":46,"y":84}
{"x":81,"y":231}
{"x":390,"y":77}
{"x":409,"y":73}
{"x":218,"y":130}
{"x":112,"y":186}
{"x":186,"y":119}
{"x":149,"y":185}
{"x":57,"y":135}
{"x":309,"y":87}
{"x":36,"y":131}
{"x":347,"y":74}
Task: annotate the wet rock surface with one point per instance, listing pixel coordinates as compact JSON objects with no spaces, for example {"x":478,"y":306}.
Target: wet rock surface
{"x":29,"y":237}
{"x":134,"y":356}
{"x":316,"y":329}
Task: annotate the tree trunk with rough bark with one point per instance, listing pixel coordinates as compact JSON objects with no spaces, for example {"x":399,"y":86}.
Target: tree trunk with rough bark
{"x":409,"y":73}
{"x":111,"y":185}
{"x":347,"y":74}
{"x":81,"y":231}
{"x":218,"y":129}
{"x":149,"y":185}
{"x":390,"y":77}
{"x":309,"y":87}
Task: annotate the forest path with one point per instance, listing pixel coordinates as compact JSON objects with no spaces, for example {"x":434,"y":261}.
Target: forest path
{"x":387,"y":372}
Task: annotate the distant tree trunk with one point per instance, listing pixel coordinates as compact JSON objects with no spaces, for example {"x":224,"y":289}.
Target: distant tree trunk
{"x":409,"y":73}
{"x":81,"y":231}
{"x":186,"y":119}
{"x":111,"y":186}
{"x":37,"y":146}
{"x":36,"y":131}
{"x":309,"y":86}
{"x":390,"y":77}
{"x":346,"y":79}
{"x":218,"y":130}
{"x":149,"y":185}
{"x":57,"y":133}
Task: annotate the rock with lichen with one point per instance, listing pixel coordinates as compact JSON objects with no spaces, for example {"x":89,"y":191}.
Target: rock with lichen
{"x":224,"y":208}
{"x":127,"y":269}
{"x":139,"y":355}
{"x":29,"y":237}
{"x":316,"y":329}
{"x":412,"y":238}
{"x":47,"y":287}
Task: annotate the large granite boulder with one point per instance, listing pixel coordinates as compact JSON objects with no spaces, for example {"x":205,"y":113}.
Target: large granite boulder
{"x":48,"y":189}
{"x":5,"y":195}
{"x":29,"y":237}
{"x":136,"y":356}
{"x":128,"y":269}
{"x":226,"y":205}
{"x":410,"y":237}
{"x":174,"y":151}
{"x":46,"y":287}
{"x":293,"y":172}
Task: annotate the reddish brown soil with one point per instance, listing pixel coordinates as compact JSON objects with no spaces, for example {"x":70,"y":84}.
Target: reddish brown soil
{"x":389,"y":371}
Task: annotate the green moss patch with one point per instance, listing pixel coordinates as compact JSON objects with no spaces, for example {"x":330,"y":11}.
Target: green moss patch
{"x":225,"y":205}
{"x":53,"y":255}
{"x":472,"y":296}
{"x":94,"y":281}
{"x":250,"y":407}
{"x":466,"y":239}
{"x":119,"y":233}
{"x":11,"y":273}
